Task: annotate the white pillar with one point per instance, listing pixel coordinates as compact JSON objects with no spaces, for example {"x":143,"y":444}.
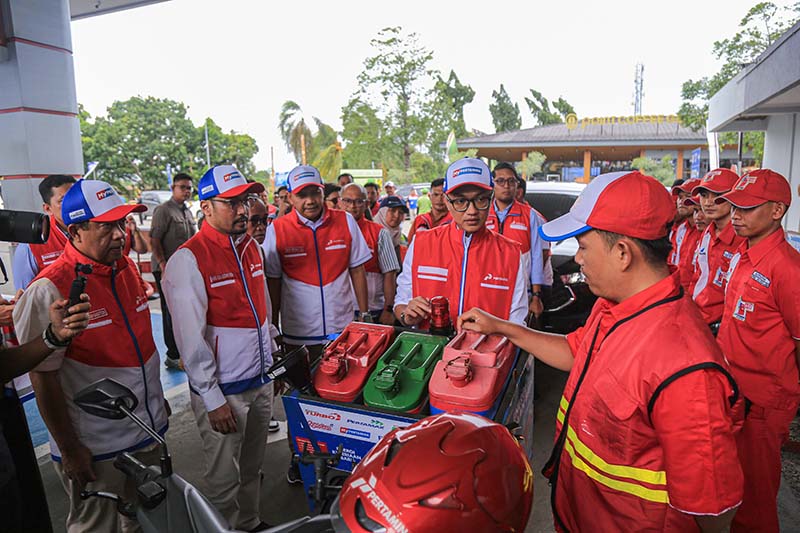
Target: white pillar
{"x":39,"y":127}
{"x":782,"y":154}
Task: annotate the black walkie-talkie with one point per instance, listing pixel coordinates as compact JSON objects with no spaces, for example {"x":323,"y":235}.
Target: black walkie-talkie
{"x":78,"y":284}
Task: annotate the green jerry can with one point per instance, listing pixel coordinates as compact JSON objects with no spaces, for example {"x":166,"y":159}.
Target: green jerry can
{"x":400,"y":380}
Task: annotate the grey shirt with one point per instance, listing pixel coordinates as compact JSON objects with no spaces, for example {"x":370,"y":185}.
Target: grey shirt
{"x":173,"y":225}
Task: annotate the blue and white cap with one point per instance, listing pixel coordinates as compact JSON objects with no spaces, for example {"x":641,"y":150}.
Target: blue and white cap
{"x":225,"y":181}
{"x":468,"y":171}
{"x":96,"y":201}
{"x":301,"y":177}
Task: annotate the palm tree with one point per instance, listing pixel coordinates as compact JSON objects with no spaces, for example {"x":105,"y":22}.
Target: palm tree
{"x":329,"y":161}
{"x":294,"y":130}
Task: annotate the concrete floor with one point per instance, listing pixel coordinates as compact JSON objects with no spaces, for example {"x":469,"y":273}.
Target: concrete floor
{"x":282,"y":502}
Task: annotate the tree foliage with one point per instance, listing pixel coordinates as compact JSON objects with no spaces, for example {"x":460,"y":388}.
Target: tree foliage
{"x":138,"y":137}
{"x":532,"y":164}
{"x":661,"y":169}
{"x":759,"y":28}
{"x":295,"y":132}
{"x":540,"y":109}
{"x":505,"y":113}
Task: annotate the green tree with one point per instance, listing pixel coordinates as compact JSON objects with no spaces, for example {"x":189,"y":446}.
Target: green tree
{"x":661,"y":169}
{"x":399,"y":73}
{"x":329,"y":162}
{"x":532,"y":164}
{"x":505,"y":113}
{"x":230,"y":148}
{"x":324,"y":138}
{"x":761,"y":26}
{"x":540,"y":109}
{"x":294,"y":130}
{"x":366,"y":142}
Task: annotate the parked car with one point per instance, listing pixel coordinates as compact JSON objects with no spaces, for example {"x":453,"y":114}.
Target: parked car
{"x":571,"y":301}
{"x":404,"y":190}
{"x":151,"y":200}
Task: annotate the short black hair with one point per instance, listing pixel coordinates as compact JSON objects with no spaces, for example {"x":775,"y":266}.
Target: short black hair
{"x":655,"y":251}
{"x":330,"y":188}
{"x":282,"y":188}
{"x":181,"y":176}
{"x":678,"y":181}
{"x":438,"y":182}
{"x":505,"y":165}
{"x":53,"y":182}
{"x":521,"y":183}
{"x":344,"y":174}
{"x":373,"y":185}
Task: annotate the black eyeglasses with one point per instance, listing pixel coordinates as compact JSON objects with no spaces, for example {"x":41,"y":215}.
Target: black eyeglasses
{"x":481,"y":203}
{"x":236,"y":203}
{"x":334,"y":201}
{"x":185,"y":187}
{"x":255,"y":220}
{"x":505,"y":182}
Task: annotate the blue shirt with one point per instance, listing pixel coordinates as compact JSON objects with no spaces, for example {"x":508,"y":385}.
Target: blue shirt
{"x":23,"y":266}
{"x":537,"y":261}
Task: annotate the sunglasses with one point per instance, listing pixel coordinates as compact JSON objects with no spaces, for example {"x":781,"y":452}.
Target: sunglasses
{"x":255,"y":220}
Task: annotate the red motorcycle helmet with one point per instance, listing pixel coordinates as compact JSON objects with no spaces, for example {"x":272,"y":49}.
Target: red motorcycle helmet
{"x":448,"y":472}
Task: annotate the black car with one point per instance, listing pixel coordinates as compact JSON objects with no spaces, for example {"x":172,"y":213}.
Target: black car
{"x":570,"y":303}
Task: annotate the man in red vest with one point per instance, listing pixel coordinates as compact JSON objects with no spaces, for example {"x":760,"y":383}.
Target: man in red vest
{"x":717,"y":245}
{"x":684,"y":234}
{"x":437,"y":216}
{"x":463,"y":261}
{"x":222,"y":329}
{"x":644,"y":433}
{"x":30,"y":259}
{"x":519,"y":222}
{"x":383,"y":267}
{"x":760,"y":337}
{"x":118,"y":343}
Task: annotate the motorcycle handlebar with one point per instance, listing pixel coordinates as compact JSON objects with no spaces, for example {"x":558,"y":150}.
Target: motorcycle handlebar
{"x":130,"y":466}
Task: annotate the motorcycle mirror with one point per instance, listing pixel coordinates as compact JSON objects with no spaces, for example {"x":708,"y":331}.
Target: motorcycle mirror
{"x":103,"y":398}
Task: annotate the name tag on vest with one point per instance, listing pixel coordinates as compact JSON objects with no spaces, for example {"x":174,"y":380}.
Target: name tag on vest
{"x":220,"y":280}
{"x":516,"y":225}
{"x":432,"y":273}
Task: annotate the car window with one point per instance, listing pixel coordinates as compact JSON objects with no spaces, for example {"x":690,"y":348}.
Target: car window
{"x":550,"y":205}
{"x":163,"y":196}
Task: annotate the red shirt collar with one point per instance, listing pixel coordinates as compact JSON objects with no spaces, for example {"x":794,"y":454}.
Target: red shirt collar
{"x":727,"y":235}
{"x":763,"y":248}
{"x":667,"y":287}
{"x":457,"y":235}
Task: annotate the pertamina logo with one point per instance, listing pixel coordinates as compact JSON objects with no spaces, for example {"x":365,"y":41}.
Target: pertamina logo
{"x":490,"y":277}
{"x":368,"y":489}
{"x":105,"y":193}
{"x":230,"y":176}
{"x":303,"y":175}
{"x":466,"y":170}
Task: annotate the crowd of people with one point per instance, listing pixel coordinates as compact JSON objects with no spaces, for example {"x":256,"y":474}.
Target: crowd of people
{"x":661,"y":425}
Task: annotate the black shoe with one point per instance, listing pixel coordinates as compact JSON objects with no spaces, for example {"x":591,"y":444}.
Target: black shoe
{"x":293,"y":474}
{"x":262,"y":526}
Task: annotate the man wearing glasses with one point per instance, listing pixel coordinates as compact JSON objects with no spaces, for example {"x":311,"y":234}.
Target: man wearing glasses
{"x":518,"y":221}
{"x":172,"y":225}
{"x":383,"y":267}
{"x":223,"y":333}
{"x":463,"y":261}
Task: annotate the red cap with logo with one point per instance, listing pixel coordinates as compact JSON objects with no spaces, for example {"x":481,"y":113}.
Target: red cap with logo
{"x":686,"y":186}
{"x":719,"y":180}
{"x":628,"y":203}
{"x":758,"y":187}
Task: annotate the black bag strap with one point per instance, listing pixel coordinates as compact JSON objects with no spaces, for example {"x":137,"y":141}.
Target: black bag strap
{"x":688,"y":370}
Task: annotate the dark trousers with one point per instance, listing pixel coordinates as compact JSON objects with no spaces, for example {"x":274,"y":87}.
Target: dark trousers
{"x":166,"y":322}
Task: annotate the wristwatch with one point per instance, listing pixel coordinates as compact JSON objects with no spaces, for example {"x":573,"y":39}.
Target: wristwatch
{"x":365,"y":317}
{"x":50,"y":339}
{"x":403,"y":318}
{"x":537,"y":294}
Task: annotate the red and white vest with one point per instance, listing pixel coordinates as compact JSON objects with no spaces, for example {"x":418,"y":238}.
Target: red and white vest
{"x":118,"y":344}
{"x":47,"y":253}
{"x":516,"y":226}
{"x":371,"y":230}
{"x":237,"y":316}
{"x":482,"y":274}
{"x":316,"y":292}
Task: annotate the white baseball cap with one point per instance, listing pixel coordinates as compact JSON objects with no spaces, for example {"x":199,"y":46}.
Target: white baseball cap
{"x":389,"y":184}
{"x":468,"y":171}
{"x":96,"y":201}
{"x":225,"y":181}
{"x":303,"y":176}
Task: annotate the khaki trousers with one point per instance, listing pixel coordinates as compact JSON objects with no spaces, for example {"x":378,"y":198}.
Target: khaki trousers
{"x":99,"y":514}
{"x":233,"y":461}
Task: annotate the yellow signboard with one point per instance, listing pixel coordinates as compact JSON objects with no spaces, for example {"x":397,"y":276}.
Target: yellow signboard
{"x":573,"y":121}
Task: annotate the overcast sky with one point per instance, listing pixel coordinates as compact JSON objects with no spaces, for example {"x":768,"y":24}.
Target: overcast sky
{"x":238,"y":61}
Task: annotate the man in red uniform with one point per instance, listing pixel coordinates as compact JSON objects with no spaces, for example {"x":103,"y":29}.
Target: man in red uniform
{"x":644,"y":432}
{"x":438,"y":214}
{"x":519,"y":222}
{"x":464,"y":261}
{"x":717,"y":245}
{"x":760,"y":336}
{"x":684,"y":234}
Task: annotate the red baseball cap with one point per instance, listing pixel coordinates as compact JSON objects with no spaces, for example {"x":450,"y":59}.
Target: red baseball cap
{"x":628,"y":203}
{"x":686,"y":186}
{"x":691,"y":200}
{"x":758,"y":187}
{"x":719,"y":180}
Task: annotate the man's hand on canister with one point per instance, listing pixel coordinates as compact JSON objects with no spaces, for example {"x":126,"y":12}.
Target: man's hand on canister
{"x":417,"y":310}
{"x":479,"y":321}
{"x":222,"y":419}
